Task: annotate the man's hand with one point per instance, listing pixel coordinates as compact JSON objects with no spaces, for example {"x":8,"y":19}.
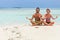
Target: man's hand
{"x":28,"y":18}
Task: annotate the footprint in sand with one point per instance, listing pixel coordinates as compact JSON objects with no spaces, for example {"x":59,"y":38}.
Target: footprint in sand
{"x":16,"y":27}
{"x":5,"y":29}
{"x":10,"y":39}
{"x":18,"y":37}
{"x":13,"y":31}
{"x":18,"y":33}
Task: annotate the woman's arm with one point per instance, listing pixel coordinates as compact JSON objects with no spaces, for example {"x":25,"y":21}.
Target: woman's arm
{"x":53,"y":17}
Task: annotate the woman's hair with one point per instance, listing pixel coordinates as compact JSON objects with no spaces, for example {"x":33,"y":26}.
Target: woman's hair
{"x":48,"y":9}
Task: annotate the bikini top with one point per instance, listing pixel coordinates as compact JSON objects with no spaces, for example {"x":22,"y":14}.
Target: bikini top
{"x":47,"y":19}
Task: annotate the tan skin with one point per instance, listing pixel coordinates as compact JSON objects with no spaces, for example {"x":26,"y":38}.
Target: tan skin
{"x":37,"y":14}
{"x":48,"y":15}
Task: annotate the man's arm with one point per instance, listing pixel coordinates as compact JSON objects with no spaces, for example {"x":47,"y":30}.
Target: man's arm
{"x":30,"y":18}
{"x":40,"y":17}
{"x":44,"y":17}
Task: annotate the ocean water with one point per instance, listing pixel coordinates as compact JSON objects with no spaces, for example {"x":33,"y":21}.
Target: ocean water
{"x":17,"y":16}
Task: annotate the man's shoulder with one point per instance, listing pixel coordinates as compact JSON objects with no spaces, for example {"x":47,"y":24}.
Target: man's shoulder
{"x":34,"y":14}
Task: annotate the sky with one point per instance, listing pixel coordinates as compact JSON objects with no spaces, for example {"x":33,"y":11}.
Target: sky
{"x":30,"y":3}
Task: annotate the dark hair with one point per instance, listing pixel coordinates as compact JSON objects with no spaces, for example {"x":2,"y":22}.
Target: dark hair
{"x":38,"y":8}
{"x":48,"y":9}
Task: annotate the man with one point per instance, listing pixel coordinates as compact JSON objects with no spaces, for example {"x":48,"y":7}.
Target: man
{"x":37,"y":16}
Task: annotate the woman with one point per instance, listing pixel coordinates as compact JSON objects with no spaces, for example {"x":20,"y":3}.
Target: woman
{"x":48,"y":17}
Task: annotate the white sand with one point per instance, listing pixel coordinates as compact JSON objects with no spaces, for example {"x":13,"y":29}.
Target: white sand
{"x":30,"y":33}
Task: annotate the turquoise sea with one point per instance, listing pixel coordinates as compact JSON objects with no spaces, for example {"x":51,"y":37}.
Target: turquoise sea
{"x":14,"y":16}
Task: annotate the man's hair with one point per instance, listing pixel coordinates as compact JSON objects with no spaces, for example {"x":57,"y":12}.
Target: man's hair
{"x":38,"y":8}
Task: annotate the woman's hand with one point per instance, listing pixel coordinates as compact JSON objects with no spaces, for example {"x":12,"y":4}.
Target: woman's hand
{"x":56,"y":16}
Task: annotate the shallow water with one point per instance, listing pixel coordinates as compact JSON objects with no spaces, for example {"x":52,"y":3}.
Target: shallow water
{"x":14,"y":16}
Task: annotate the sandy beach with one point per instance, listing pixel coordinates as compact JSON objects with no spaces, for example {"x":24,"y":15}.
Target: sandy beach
{"x":30,"y":33}
{"x":18,"y":16}
{"x":15,"y":26}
